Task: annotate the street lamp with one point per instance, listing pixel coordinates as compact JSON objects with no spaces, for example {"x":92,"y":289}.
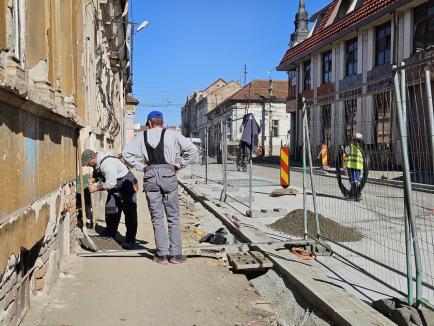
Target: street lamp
{"x":142,"y":26}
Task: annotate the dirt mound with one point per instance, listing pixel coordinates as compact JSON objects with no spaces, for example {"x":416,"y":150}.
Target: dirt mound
{"x":292,"y":224}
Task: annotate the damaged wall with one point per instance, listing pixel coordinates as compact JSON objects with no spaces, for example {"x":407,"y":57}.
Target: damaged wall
{"x":37,"y":157}
{"x":57,"y":88}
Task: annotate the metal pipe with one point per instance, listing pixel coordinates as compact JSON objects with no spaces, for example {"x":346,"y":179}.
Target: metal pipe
{"x":251,"y":182}
{"x":408,"y":248}
{"x":408,"y":192}
{"x":304,"y":172}
{"x":224,"y":161}
{"x":430,"y":112}
{"x":206,"y":155}
{"x":412,"y":223}
{"x":318,"y":230}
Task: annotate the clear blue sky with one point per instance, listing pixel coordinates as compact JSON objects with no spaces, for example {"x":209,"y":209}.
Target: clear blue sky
{"x":190,"y":43}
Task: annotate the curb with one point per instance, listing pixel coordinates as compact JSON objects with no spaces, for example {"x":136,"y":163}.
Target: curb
{"x":337,"y":304}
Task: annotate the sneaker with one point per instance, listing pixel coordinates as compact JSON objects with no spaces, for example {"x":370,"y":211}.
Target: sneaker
{"x":128,"y":245}
{"x":161,"y":260}
{"x":178,"y":259}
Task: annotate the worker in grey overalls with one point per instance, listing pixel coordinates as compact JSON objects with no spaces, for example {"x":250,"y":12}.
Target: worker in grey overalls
{"x":112,"y":175}
{"x":158,"y":147}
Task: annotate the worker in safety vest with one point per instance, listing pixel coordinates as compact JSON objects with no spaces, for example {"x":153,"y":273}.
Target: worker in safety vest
{"x":353,"y":160}
{"x":323,"y":156}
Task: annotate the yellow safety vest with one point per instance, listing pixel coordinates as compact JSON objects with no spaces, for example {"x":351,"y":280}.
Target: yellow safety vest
{"x":354,"y":160}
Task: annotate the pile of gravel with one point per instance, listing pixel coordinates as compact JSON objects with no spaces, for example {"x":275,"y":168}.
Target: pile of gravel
{"x":293,"y":224}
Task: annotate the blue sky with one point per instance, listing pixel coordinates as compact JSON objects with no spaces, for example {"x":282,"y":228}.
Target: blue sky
{"x":190,"y":43}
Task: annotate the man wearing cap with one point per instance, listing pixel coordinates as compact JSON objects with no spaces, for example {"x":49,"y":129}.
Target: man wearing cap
{"x":158,"y":147}
{"x":112,"y":175}
{"x":354,"y":164}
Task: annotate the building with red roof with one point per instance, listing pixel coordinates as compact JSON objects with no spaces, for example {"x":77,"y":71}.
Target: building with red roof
{"x":342,"y":67}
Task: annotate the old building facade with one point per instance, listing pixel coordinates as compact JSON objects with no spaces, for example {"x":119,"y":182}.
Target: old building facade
{"x":266,"y":100}
{"x":64,"y":74}
{"x":191,"y":119}
{"x":343,"y":68}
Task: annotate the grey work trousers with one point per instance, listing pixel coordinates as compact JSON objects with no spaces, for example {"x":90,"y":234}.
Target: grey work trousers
{"x":161,"y":186}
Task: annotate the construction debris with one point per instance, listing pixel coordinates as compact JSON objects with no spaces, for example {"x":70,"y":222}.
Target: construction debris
{"x":284,"y":192}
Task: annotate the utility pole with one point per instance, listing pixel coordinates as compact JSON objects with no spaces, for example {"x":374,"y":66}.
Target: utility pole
{"x":245,"y":75}
{"x":270,"y":120}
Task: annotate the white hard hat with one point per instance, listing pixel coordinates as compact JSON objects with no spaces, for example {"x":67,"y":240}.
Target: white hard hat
{"x":359,"y":135}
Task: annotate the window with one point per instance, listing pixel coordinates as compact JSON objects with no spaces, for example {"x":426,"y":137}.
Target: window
{"x":382,"y":44}
{"x":327,"y":67}
{"x":327,"y":124}
{"x":424,"y":27}
{"x":275,"y":130}
{"x":351,"y":48}
{"x":17,"y":36}
{"x":350,"y":118}
{"x":292,"y":80}
{"x":306,"y":79}
{"x":383,"y":117}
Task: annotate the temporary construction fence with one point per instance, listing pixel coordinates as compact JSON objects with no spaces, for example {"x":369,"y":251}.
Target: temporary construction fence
{"x":236,"y":173}
{"x":377,"y":177}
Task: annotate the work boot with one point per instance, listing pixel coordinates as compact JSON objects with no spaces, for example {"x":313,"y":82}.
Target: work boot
{"x":129,"y":245}
{"x":178,"y":259}
{"x":108,"y":234}
{"x":161,"y":260}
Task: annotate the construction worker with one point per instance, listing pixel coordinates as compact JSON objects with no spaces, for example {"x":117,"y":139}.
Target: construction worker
{"x":323,"y":157}
{"x":112,"y":175}
{"x":158,"y":147}
{"x":354,"y":164}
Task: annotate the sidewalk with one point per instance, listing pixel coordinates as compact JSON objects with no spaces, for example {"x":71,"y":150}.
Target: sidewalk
{"x":137,"y":291}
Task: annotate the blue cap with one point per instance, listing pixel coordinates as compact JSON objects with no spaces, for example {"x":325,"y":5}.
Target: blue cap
{"x":155,"y":115}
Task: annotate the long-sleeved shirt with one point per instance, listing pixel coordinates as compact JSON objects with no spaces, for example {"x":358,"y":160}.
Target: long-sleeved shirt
{"x":135,"y":153}
{"x":112,"y":168}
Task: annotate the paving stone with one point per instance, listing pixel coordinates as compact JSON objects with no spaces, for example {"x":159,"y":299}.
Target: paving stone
{"x":247,"y":261}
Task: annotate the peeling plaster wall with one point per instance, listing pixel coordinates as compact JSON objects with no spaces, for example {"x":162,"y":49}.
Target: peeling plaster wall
{"x":37,"y":156}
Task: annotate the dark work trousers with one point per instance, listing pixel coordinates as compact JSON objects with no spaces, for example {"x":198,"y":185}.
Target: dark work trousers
{"x":122,"y":198}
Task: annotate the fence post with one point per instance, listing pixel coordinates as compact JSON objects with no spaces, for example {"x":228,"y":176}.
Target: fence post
{"x":251,"y":183}
{"x":224,"y":161}
{"x":304,"y":172}
{"x":309,"y":153}
{"x":206,"y":155}
{"x":430,"y":110}
{"x":407,"y":192}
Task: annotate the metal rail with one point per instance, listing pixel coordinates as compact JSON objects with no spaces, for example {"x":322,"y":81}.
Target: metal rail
{"x":132,"y":253}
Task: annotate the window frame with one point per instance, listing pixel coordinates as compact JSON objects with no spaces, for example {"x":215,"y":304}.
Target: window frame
{"x":307,"y":82}
{"x":426,"y":20}
{"x":383,"y":118}
{"x":385,"y":41}
{"x":327,"y":67}
{"x":292,"y":83}
{"x":351,"y":52}
{"x":275,"y":128}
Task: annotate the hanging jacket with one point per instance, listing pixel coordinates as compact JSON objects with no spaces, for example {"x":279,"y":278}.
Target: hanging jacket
{"x":250,"y":132}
